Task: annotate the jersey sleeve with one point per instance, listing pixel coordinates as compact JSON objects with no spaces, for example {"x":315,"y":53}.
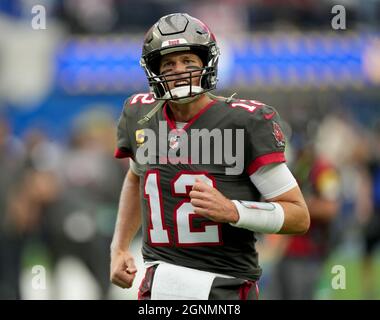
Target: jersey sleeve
{"x":124,"y":140}
{"x":266,"y":140}
{"x":137,"y":168}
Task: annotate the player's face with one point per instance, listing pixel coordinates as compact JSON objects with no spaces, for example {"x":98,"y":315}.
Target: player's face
{"x":172,"y":64}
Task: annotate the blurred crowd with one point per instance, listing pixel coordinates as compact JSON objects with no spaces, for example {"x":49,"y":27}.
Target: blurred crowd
{"x":336,"y":163}
{"x":104,"y":16}
{"x":62,"y":198}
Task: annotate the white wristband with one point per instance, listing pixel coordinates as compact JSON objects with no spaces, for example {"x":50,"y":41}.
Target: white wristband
{"x":263,"y":217}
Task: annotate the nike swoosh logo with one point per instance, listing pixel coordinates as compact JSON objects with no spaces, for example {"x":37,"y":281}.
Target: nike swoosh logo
{"x":269,"y":116}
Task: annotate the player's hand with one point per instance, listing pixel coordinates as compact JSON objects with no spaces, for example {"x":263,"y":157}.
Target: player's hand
{"x":210,"y":203}
{"x":123,"y":269}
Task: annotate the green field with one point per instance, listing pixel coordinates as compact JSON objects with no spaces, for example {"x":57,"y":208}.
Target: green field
{"x":348,"y":257}
{"x":354,"y":278}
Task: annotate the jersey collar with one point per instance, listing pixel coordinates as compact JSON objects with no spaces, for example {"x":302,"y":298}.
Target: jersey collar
{"x":171,"y":121}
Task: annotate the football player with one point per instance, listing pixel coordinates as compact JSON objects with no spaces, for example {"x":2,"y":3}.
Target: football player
{"x":198,"y":218}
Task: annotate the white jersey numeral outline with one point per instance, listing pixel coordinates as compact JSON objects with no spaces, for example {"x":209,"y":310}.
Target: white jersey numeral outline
{"x":249,"y":105}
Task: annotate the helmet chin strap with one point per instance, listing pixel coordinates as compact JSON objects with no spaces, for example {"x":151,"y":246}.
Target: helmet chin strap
{"x":182,"y":94}
{"x":176,"y":93}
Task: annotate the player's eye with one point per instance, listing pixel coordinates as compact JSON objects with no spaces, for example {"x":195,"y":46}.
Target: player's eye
{"x":167,"y":67}
{"x":168,"y":64}
{"x":189,"y":61}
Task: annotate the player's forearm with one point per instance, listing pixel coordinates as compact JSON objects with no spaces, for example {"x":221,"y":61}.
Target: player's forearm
{"x":297,"y":219}
{"x":129,"y":218}
{"x":273,"y":217}
{"x":286,"y":213}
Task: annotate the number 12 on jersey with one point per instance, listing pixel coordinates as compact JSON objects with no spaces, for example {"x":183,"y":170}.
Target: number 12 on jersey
{"x":209,"y":233}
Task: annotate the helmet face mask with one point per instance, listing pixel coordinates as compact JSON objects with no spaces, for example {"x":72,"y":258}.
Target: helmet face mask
{"x":180,"y":33}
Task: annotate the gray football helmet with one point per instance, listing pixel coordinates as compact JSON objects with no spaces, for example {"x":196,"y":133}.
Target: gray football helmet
{"x":173,"y":33}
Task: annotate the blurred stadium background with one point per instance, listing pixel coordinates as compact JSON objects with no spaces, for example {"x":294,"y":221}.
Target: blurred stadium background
{"x":62,"y":89}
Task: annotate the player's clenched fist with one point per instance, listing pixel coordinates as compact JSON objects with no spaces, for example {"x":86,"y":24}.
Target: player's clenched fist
{"x":123,"y":269}
{"x":210,"y":203}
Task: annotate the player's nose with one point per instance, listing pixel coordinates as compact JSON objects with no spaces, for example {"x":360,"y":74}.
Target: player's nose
{"x":178,"y":68}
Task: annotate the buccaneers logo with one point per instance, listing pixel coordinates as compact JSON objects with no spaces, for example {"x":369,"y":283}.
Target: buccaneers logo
{"x":278,"y":134}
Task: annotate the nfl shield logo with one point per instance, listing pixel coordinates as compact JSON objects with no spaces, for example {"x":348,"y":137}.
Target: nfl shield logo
{"x":174,"y":142}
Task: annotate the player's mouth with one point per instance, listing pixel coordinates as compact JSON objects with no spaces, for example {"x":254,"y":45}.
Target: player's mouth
{"x":181,"y":83}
